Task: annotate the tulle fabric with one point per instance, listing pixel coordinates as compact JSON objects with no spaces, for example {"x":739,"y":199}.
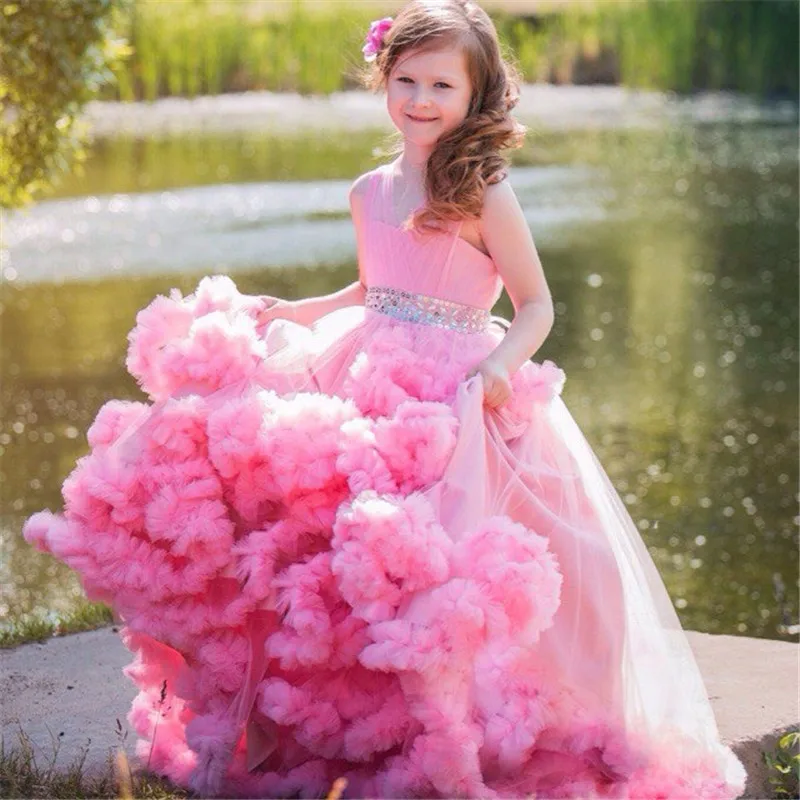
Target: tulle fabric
{"x":331,"y":560}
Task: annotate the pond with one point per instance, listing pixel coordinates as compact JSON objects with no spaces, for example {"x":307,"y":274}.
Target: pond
{"x":671,"y":254}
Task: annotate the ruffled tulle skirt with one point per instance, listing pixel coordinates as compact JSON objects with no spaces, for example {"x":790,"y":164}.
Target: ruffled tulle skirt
{"x":331,"y":560}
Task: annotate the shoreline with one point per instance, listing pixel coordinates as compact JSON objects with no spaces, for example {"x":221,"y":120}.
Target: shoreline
{"x":543,"y":107}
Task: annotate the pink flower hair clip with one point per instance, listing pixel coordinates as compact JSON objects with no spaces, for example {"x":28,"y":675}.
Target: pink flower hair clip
{"x":374,"y":40}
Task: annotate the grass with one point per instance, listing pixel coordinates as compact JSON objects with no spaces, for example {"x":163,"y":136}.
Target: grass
{"x":297,"y":46}
{"x":22,"y":775}
{"x":258,"y":9}
{"x":314,"y":46}
{"x":86,"y":617}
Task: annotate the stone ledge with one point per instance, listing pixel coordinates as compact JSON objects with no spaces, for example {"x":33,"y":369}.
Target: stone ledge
{"x":753,"y":688}
{"x":71,"y":689}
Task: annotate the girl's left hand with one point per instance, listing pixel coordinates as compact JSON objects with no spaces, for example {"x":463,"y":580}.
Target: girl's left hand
{"x":496,"y":382}
{"x":273,"y":308}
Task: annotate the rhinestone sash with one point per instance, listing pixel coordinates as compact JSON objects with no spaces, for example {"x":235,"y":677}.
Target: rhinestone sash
{"x":427,"y":310}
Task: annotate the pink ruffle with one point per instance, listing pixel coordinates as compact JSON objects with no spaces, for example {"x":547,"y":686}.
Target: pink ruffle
{"x":269,"y":530}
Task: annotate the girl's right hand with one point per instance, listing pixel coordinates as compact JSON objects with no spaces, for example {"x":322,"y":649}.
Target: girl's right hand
{"x":496,"y":381}
{"x":274,"y":308}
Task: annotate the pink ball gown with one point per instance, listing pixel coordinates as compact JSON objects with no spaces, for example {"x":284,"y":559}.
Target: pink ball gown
{"x":331,"y":560}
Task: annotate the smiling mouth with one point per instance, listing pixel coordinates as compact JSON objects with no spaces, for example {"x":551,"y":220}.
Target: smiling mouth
{"x":421,"y":119}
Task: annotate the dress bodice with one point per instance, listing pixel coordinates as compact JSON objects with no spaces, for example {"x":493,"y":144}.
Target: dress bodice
{"x":442,"y":265}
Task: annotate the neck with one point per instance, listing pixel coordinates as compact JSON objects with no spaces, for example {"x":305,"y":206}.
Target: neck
{"x":411,"y":163}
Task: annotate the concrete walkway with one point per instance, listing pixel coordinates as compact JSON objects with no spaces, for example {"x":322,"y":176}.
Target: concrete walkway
{"x":70,"y":690}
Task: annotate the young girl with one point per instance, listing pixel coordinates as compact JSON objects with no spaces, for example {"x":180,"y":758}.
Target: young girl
{"x":360,"y":536}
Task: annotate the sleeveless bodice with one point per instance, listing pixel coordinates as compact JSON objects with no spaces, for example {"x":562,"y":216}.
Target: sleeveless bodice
{"x":440,"y":265}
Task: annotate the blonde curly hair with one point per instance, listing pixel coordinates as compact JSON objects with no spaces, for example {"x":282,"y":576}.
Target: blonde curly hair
{"x":467,"y":158}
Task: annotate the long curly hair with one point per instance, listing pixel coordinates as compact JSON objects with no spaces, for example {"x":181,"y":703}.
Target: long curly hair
{"x":467,"y":158}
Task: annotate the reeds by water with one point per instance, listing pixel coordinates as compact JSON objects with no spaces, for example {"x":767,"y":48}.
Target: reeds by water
{"x":200,"y":47}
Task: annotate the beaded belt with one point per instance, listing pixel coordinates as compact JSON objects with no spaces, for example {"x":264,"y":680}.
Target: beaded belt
{"x":427,"y":310}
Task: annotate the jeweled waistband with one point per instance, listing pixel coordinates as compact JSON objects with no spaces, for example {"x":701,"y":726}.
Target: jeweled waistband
{"x":422,"y":308}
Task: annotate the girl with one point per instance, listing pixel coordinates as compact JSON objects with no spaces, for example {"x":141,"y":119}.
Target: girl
{"x":360,"y":535}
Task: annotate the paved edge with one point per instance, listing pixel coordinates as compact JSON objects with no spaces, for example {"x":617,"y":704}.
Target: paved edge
{"x":70,"y":691}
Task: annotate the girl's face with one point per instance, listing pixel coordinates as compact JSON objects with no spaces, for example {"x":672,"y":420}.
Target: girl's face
{"x":428,"y":93}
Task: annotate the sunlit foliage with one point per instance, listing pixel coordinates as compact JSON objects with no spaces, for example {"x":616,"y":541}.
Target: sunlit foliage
{"x":56,"y":55}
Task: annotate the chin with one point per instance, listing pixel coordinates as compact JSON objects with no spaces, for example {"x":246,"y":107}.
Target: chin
{"x":428,"y":144}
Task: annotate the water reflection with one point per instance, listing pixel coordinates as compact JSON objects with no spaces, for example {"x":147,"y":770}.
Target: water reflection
{"x":240,"y":227}
{"x":672,"y":259}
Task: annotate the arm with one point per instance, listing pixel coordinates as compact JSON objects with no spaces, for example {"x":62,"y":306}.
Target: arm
{"x":508,"y":239}
{"x":310,"y":309}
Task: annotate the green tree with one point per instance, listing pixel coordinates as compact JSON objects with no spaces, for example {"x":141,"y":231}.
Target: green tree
{"x":55,"y":55}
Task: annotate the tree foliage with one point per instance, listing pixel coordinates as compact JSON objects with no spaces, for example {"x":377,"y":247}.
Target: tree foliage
{"x":55,"y":55}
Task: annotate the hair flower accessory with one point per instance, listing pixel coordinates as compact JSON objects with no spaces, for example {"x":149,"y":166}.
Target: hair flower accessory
{"x":374,"y":40}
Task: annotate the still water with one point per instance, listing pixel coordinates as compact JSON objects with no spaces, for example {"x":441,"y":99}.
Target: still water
{"x":671,"y":255}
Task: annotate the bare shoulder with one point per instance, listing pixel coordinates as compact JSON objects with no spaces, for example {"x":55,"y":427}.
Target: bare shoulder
{"x":496,"y":199}
{"x":358,"y":189}
{"x":501,"y":212}
{"x":499,"y":198}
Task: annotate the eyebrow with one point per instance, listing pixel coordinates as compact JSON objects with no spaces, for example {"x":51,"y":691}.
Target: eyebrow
{"x":451,"y":78}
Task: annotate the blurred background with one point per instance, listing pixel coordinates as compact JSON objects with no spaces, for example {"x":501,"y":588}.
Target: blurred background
{"x":146,"y":144}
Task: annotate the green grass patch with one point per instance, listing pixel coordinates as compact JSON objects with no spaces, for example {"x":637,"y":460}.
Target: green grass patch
{"x":32,"y":628}
{"x":313,"y":47}
{"x":23,"y":774}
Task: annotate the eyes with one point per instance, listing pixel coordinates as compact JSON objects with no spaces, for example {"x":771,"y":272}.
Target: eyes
{"x":404,"y":78}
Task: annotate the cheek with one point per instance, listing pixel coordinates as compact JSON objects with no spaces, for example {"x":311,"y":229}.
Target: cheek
{"x":393,"y":101}
{"x":395,"y":98}
{"x":458,"y":107}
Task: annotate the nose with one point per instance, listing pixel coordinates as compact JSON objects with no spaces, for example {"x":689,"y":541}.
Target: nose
{"x":421,"y":99}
